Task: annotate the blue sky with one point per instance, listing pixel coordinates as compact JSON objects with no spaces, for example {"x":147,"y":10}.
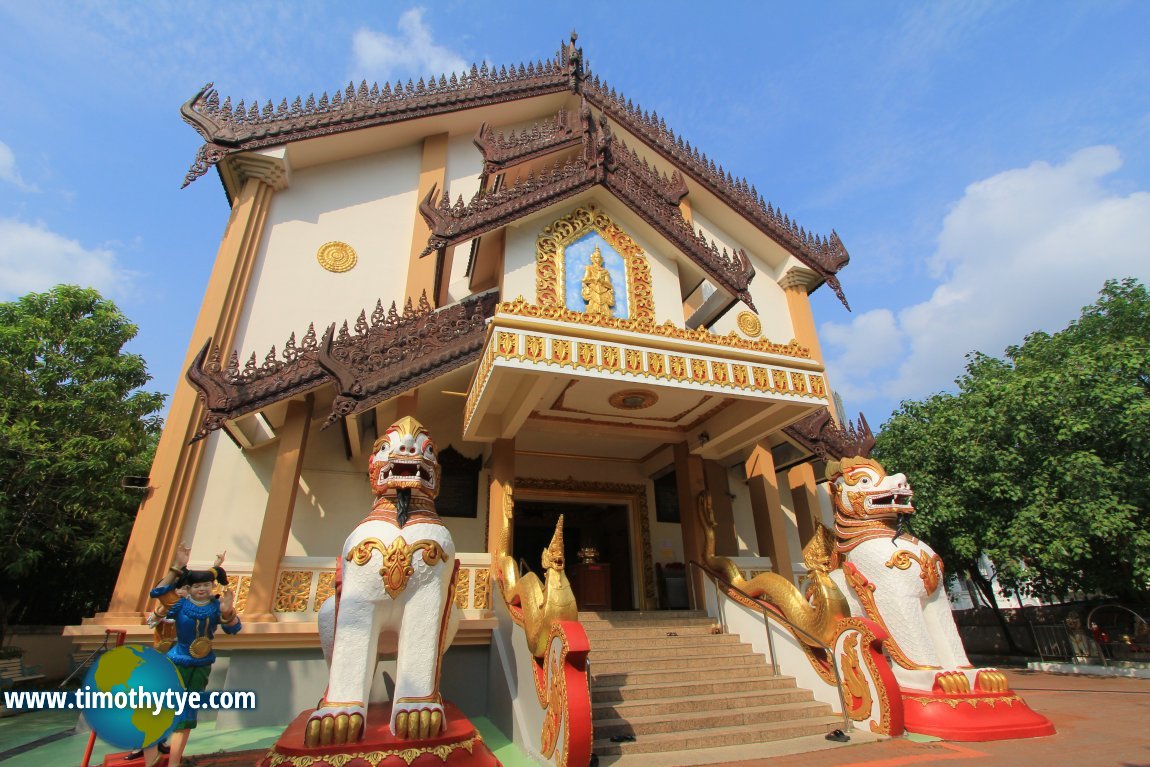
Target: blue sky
{"x":986,"y":164}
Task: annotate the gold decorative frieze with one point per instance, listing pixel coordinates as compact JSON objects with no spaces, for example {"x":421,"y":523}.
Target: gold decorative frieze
{"x":550,"y":266}
{"x":336,"y":256}
{"x":293,"y":591}
{"x":521,"y":308}
{"x":749,"y":323}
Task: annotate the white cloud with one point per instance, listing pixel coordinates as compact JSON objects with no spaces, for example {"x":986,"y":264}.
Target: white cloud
{"x":412,"y":52}
{"x":1023,"y":250}
{"x":34,"y":258}
{"x":8,"y":170}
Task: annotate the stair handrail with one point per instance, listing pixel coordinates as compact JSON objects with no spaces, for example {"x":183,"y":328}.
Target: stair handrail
{"x":769,"y":613}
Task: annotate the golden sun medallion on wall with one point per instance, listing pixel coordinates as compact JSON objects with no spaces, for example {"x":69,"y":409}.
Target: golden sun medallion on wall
{"x":336,"y":256}
{"x":748,"y":322}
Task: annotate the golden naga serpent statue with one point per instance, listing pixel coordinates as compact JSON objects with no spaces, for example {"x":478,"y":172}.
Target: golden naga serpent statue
{"x":816,"y":616}
{"x":542,"y":602}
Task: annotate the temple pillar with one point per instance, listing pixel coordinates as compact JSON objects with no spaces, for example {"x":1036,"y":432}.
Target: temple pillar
{"x":690,"y":478}
{"x":405,"y":405}
{"x":718,"y":485}
{"x":160,"y":520}
{"x":795,"y":284}
{"x":421,"y":272}
{"x":804,"y":489}
{"x":502,"y":475}
{"x":278,"y":511}
{"x":770,"y":521}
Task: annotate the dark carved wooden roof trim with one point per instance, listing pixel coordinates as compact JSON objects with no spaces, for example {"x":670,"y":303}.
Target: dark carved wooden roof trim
{"x":391,"y":359}
{"x":385,"y":355}
{"x":826,"y":255}
{"x":819,"y":434}
{"x":606,"y":161}
{"x":500,"y":151}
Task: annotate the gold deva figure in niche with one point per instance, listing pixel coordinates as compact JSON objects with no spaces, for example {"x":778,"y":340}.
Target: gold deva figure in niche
{"x":597,"y":289}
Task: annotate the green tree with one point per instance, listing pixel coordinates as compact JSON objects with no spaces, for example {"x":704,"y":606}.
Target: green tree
{"x":73,"y":423}
{"x":1041,"y":460}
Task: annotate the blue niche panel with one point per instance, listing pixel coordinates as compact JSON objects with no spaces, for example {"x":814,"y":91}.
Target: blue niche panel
{"x":577,"y":257}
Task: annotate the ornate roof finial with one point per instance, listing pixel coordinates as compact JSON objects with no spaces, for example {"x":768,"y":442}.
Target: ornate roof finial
{"x":574,"y":63}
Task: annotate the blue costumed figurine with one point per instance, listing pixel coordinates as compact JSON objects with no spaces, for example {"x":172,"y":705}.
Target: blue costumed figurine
{"x":195,"y":618}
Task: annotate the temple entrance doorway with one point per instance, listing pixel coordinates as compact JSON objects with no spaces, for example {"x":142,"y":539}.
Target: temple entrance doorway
{"x":607,"y":582}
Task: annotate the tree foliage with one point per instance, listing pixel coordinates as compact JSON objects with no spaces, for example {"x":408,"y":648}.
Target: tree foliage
{"x":1041,"y":461}
{"x":73,"y":423}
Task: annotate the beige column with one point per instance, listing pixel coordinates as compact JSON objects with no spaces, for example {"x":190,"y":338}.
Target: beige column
{"x":804,"y":490}
{"x":160,"y":519}
{"x":691,"y":481}
{"x":685,"y":209}
{"x":795,"y":284}
{"x":405,"y":405}
{"x":278,"y":511}
{"x":718,"y":485}
{"x":770,"y":523}
{"x":502,"y":475}
{"x":432,"y":172}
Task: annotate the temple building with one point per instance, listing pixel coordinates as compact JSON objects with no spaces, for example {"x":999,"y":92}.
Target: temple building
{"x":588,"y":315}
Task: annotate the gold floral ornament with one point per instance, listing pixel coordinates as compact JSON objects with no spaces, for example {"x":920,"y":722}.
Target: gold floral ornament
{"x":397,"y":565}
{"x":749,"y":323}
{"x":336,"y":256}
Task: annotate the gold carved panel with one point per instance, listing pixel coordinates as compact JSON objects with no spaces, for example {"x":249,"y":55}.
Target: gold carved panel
{"x":324,"y":589}
{"x":293,"y":591}
{"x":482,"y":599}
{"x":462,"y":587}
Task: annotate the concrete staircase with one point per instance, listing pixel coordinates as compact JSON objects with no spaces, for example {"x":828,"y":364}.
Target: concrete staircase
{"x":668,"y":680}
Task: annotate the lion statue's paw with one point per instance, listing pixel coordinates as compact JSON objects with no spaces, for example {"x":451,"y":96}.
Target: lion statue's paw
{"x":334,"y":724}
{"x":418,"y":720}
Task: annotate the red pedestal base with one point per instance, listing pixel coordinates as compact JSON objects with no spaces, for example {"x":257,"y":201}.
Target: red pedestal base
{"x":459,"y":746}
{"x":974,"y":716}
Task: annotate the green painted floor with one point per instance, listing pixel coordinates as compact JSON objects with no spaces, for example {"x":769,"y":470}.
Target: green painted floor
{"x":16,"y":731}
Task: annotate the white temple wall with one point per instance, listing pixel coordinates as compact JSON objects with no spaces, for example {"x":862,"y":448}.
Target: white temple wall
{"x":333,"y":497}
{"x":464,"y":165}
{"x":365,"y":202}
{"x":519,"y":262}
{"x":771,"y":302}
{"x":228,"y":501}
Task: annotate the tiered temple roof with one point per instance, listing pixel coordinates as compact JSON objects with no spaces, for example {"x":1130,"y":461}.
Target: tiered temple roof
{"x":229,"y":130}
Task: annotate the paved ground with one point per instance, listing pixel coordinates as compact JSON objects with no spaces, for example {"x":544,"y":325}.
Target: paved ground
{"x":1100,"y":721}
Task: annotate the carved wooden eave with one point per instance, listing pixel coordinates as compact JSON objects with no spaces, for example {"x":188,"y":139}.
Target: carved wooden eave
{"x":229,"y":130}
{"x":819,"y":434}
{"x":393,"y":358}
{"x":604,"y":161}
{"x":386,"y":355}
{"x":500,"y":151}
{"x":229,"y":393}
